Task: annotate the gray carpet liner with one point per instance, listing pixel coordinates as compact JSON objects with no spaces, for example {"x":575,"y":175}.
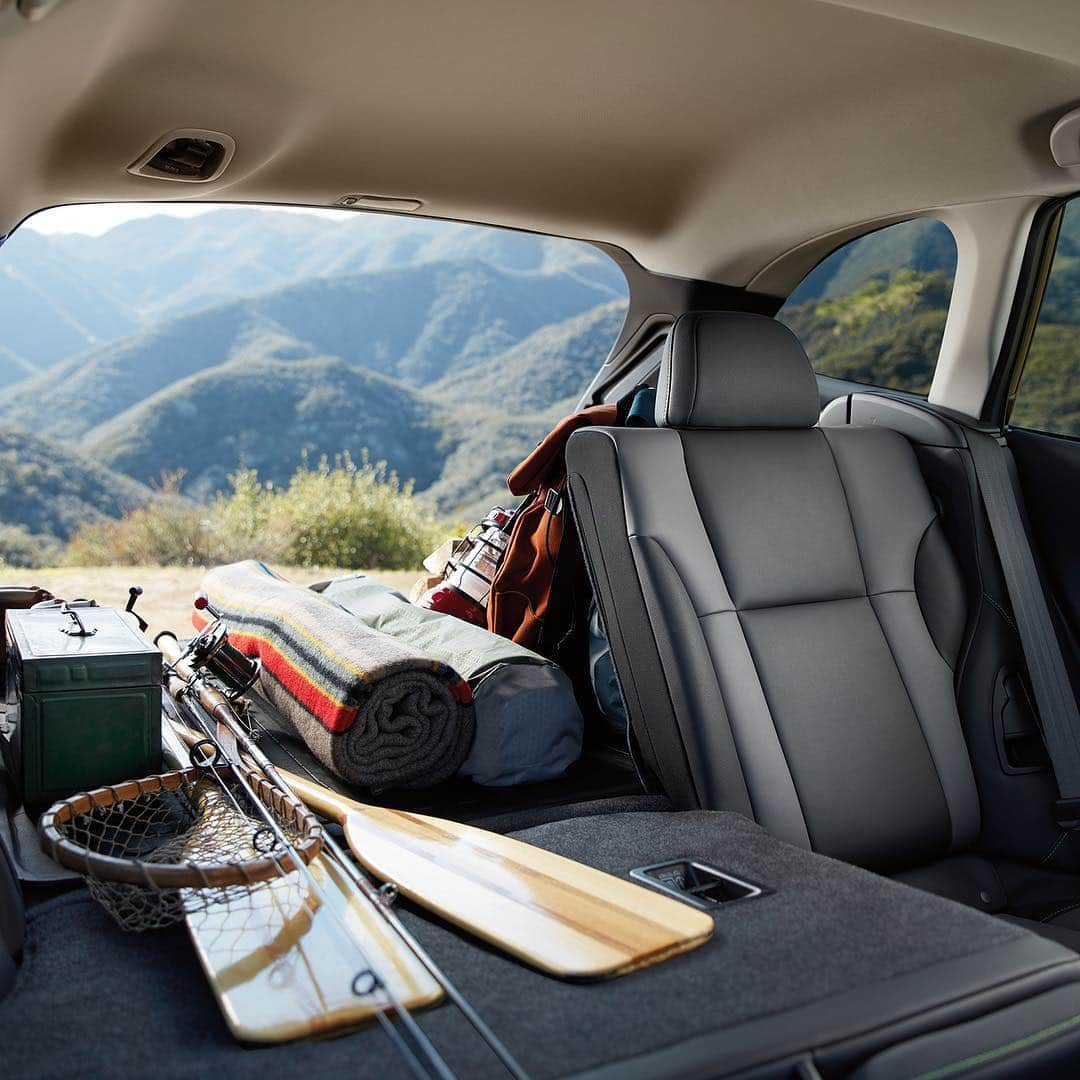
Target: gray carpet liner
{"x":91,"y":1000}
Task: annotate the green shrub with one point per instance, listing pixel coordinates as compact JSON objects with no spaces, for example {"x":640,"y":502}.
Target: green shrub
{"x":351,"y":515}
{"x":345,"y":514}
{"x":170,"y":531}
{"x":19,"y":547}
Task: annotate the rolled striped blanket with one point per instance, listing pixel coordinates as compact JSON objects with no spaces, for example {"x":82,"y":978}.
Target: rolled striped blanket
{"x":372,"y":711}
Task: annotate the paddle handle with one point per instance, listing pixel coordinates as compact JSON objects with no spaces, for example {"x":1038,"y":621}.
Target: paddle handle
{"x":320,"y":798}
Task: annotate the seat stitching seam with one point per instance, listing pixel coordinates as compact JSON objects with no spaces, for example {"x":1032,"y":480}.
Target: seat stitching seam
{"x":851,"y":516}
{"x":1071,"y":906}
{"x":806,"y":603}
{"x":712,"y":665}
{"x":918,"y":718}
{"x":757,"y":675}
{"x":1001,"y":611}
{"x":1057,"y":843}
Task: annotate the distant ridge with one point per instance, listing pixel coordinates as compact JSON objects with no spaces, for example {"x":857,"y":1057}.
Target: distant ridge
{"x":414,"y":324}
{"x":50,"y":489}
{"x":268,"y":415}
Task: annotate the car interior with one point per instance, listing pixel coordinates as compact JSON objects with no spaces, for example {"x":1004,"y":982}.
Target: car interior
{"x":840,"y":598}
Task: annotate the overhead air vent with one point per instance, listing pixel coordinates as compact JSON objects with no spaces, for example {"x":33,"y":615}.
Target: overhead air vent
{"x":190,"y":155}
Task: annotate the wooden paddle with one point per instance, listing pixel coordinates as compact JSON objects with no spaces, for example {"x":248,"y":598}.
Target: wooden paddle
{"x":558,"y":915}
{"x":278,"y":956}
{"x":565,"y":918}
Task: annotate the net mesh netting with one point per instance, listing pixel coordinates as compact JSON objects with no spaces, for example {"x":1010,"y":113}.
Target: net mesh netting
{"x":208,"y":821}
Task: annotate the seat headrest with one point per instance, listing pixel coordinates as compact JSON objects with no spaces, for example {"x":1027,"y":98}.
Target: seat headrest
{"x":729,"y":369}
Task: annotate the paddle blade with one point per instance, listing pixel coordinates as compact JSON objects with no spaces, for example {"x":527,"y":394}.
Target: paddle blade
{"x":560,"y":916}
{"x":283,"y":963}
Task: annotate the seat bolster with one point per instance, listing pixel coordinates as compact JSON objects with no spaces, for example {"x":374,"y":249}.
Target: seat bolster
{"x":889,"y":518}
{"x":691,"y":678}
{"x":594,"y":486}
{"x":929,"y":683}
{"x":940,"y":591}
{"x":658,"y":501}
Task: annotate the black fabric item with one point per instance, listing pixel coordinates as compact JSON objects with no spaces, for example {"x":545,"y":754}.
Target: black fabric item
{"x":832,"y":955}
{"x":728,"y":369}
{"x":1042,"y":649}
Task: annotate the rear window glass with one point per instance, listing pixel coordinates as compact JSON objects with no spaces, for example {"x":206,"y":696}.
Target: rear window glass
{"x":873,"y":312}
{"x":187,"y":386}
{"x":1048,"y":397}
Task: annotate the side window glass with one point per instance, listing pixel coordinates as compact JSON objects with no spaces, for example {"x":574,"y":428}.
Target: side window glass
{"x":1048,"y":397}
{"x":873,"y":312}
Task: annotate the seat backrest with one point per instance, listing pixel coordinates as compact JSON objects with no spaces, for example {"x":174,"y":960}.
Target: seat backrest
{"x":784,"y":610}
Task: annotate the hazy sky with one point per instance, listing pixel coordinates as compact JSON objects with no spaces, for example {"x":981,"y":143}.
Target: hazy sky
{"x":97,"y":218}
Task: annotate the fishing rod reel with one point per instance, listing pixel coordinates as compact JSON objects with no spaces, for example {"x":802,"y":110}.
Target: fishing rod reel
{"x":211,"y":653}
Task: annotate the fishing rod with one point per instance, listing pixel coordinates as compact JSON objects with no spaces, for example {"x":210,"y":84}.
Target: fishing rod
{"x":436,"y":1065}
{"x":220,"y":712}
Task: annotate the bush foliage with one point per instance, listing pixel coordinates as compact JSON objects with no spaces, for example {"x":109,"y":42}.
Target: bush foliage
{"x":19,"y":547}
{"x":345,"y":513}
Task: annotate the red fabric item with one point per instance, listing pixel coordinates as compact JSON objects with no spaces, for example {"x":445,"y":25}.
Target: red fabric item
{"x":522,"y":586}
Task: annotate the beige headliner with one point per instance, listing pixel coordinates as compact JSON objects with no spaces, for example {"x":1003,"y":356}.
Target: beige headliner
{"x":706,"y":137}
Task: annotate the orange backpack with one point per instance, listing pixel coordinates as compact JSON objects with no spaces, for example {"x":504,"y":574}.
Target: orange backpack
{"x":522,"y":590}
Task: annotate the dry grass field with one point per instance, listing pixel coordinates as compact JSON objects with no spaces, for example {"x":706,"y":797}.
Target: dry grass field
{"x":167,"y":590}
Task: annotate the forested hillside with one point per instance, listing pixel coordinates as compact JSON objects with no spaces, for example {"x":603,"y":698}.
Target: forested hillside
{"x":415,"y":323}
{"x":190,"y":348}
{"x":48,"y":492}
{"x":269,"y":415}
{"x":862,"y":319}
{"x":1049,"y":394}
{"x":66,"y":293}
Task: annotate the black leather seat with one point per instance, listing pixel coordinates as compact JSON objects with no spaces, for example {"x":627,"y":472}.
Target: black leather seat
{"x":785,"y":610}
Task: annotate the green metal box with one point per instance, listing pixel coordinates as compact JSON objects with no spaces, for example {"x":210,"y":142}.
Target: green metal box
{"x":84,"y":709}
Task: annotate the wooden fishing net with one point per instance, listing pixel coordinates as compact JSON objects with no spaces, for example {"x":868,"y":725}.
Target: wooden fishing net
{"x":155,"y":850}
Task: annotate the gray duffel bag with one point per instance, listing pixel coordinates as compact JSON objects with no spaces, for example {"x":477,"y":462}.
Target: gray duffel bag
{"x":528,"y":724}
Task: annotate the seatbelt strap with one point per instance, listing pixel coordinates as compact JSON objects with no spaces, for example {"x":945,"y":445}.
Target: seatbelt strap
{"x":1042,"y":650}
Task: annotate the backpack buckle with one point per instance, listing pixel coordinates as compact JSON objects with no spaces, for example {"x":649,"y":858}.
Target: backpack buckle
{"x":553,"y":502}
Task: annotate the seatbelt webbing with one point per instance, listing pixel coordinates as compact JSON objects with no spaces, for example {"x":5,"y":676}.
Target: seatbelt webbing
{"x":1042,"y":650}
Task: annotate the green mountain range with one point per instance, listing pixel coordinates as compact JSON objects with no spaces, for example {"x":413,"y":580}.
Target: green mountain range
{"x":414,"y":323}
{"x":269,"y":415}
{"x":862,"y":319}
{"x":242,"y":337}
{"x":66,"y":293}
